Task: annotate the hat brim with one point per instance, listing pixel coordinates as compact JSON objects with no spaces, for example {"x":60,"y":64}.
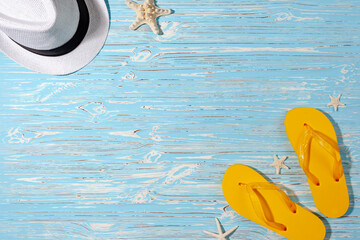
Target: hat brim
{"x":73,"y":61}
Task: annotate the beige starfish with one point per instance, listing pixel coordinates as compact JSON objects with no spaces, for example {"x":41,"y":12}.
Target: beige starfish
{"x":335,"y":102}
{"x":279,"y":163}
{"x":147,"y":13}
{"x":221,"y":235}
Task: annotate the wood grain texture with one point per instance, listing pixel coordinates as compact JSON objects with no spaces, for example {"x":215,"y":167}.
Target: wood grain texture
{"x":134,"y":146}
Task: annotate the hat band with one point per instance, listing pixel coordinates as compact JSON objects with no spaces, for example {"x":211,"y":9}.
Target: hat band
{"x":74,"y":41}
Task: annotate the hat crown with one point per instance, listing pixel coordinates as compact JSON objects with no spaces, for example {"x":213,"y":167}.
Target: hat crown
{"x":39,"y":24}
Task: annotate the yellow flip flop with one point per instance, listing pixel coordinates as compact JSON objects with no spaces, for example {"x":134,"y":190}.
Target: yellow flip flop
{"x":258,"y":200}
{"x":314,"y":140}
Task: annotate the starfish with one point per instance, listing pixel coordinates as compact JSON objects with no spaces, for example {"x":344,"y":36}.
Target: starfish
{"x":147,"y":13}
{"x":335,"y":102}
{"x":279,"y":163}
{"x":221,"y":235}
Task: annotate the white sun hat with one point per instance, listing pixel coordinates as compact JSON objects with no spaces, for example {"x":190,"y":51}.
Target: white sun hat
{"x":53,"y":36}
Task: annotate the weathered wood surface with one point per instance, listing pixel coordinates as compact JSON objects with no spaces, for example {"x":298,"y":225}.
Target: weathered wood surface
{"x":134,"y":146}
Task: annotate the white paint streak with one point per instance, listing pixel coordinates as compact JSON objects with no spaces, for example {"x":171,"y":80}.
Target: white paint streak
{"x":169,"y":31}
{"x":18,"y":135}
{"x":152,"y":157}
{"x":180,"y":172}
{"x":290,"y":16}
{"x":154,"y":136}
{"x":131,"y":133}
{"x":142,"y":197}
{"x":32,"y":180}
{"x":211,"y":135}
{"x":101,"y":226}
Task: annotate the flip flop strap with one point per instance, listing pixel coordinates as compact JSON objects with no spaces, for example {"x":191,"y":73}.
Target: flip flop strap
{"x":327,"y":144}
{"x":261,"y":209}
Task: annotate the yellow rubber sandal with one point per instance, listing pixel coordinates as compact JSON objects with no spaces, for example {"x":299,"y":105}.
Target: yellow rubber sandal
{"x":314,"y":140}
{"x":253,"y":197}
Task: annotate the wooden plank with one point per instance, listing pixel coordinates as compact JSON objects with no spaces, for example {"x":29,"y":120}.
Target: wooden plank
{"x":134,"y":146}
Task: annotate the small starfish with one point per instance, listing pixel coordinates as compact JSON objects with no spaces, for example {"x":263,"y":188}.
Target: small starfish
{"x":221,"y":235}
{"x":335,"y":102}
{"x":147,"y":13}
{"x":279,"y":163}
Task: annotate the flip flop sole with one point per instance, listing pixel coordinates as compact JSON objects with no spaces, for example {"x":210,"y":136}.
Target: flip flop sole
{"x":331,"y":197}
{"x":300,"y":225}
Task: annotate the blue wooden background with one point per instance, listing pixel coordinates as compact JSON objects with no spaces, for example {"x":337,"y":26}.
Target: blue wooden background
{"x":134,"y":146}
